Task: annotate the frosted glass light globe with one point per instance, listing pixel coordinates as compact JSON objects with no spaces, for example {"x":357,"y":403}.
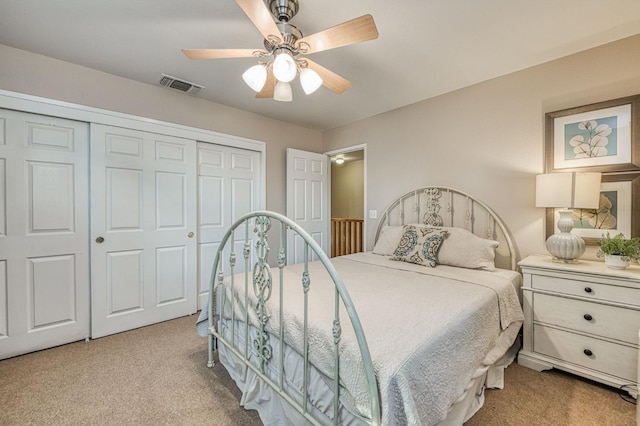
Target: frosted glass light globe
{"x":284,"y":67}
{"x":310,"y":80}
{"x":282,"y":92}
{"x":255,"y":77}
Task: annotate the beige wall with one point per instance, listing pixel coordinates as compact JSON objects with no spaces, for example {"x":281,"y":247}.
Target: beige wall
{"x":347,"y":190}
{"x":37,"y":75}
{"x":487,"y":139}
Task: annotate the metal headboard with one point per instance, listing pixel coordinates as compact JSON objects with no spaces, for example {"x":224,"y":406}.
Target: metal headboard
{"x":444,"y":206}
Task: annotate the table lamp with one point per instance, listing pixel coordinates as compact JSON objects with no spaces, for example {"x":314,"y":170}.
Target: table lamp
{"x":567,"y":191}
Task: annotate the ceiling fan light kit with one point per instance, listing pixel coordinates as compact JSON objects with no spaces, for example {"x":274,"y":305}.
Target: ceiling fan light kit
{"x":284,"y":67}
{"x":283,"y":43}
{"x":310,"y":80}
{"x":255,"y":77}
{"x":282,"y":92}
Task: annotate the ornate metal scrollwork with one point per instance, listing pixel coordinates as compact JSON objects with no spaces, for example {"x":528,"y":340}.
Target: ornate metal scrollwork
{"x":282,"y":258}
{"x":306,"y":281}
{"x":432,"y":217}
{"x":262,"y":281}
{"x":246,"y":250}
{"x":337,"y":331}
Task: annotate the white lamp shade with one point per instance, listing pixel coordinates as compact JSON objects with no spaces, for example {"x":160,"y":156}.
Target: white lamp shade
{"x":310,"y":80}
{"x":569,"y":190}
{"x":282,"y":92}
{"x":284,"y":67}
{"x":255,"y":77}
{"x":586,"y":193}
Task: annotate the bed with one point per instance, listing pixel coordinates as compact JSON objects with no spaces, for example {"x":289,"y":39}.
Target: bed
{"x":409,"y":333}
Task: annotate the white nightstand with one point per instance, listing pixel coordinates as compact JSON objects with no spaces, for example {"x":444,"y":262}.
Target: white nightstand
{"x":583,"y":318}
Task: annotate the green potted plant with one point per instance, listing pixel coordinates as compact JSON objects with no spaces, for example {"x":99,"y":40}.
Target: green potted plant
{"x":618,"y":251}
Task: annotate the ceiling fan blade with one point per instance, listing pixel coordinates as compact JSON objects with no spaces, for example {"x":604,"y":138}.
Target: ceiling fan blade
{"x":350,"y":32}
{"x":261,"y":17}
{"x":269,"y":86}
{"x":330,"y":79}
{"x":219,"y":53}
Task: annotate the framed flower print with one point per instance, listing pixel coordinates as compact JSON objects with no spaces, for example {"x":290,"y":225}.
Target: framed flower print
{"x":601,"y":137}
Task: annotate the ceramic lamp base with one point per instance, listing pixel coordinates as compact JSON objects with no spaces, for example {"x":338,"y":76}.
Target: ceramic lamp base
{"x":565,"y":246}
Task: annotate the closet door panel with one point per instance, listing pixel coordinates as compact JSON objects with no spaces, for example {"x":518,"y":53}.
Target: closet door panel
{"x":228,"y":179}
{"x":4,"y":311}
{"x":51,"y":288}
{"x":125,"y":292}
{"x":143,"y":245}
{"x":44,"y":261}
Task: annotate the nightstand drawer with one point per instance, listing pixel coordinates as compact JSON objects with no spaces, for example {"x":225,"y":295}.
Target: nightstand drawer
{"x":586,"y":288}
{"x":606,"y":357}
{"x":593,"y":318}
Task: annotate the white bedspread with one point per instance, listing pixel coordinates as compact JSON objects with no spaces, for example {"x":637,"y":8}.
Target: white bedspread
{"x":428,"y":329}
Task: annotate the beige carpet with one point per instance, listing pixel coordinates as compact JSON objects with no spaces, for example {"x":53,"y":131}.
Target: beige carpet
{"x":157,"y":375}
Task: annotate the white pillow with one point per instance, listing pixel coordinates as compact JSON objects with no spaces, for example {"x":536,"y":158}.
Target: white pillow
{"x":466,"y":250}
{"x":388,"y":240}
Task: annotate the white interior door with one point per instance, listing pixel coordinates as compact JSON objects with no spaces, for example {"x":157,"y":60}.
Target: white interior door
{"x":228,"y":187}
{"x":307,"y":199}
{"x":143,"y":223}
{"x":44,"y":262}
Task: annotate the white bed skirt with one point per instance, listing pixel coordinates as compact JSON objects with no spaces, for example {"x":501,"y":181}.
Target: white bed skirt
{"x":273,"y":410}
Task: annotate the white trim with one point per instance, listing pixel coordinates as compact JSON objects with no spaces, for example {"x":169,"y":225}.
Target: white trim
{"x":35,"y":104}
{"x":360,"y":147}
{"x":56,"y":108}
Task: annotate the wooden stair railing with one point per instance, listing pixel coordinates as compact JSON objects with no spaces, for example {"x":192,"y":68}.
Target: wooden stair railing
{"x":346,"y":236}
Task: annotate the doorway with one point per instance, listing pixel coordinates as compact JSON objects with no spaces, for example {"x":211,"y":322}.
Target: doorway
{"x":348,"y":200}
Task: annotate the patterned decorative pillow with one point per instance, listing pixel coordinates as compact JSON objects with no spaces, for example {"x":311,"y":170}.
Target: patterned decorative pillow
{"x":419,"y":245}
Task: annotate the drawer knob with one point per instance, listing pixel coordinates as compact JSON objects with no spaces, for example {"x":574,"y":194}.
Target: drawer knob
{"x":588,"y":352}
{"x":588,"y":289}
{"x":588,"y":317}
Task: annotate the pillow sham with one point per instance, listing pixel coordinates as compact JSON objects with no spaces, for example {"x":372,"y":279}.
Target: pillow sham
{"x":466,"y":250}
{"x":388,"y":240}
{"x":419,"y":245}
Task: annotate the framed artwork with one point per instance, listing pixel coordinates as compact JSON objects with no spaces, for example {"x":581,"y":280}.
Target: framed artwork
{"x":601,"y":137}
{"x":619,"y":198}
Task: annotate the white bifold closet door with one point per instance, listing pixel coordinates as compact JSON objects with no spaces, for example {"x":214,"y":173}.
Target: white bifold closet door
{"x":44,"y":215}
{"x":228,"y":187}
{"x":143,"y":224}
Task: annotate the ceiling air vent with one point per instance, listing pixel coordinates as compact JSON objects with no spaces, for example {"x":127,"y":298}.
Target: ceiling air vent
{"x":181,"y":85}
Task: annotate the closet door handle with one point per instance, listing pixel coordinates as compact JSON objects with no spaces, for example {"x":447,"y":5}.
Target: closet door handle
{"x":190,"y":235}
{"x":99,"y":240}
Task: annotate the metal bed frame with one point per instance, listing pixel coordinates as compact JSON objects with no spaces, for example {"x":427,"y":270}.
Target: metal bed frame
{"x":263,"y":286}
{"x":460,"y":207}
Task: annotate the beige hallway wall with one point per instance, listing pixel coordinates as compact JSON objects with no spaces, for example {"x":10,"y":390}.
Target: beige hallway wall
{"x":487,"y":139}
{"x":347,"y":190}
{"x":38,"y":75}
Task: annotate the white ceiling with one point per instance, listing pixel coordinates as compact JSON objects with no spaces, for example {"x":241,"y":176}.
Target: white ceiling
{"x":425,"y":48}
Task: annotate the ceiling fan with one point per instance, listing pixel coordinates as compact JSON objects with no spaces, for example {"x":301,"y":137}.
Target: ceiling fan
{"x":284,"y":44}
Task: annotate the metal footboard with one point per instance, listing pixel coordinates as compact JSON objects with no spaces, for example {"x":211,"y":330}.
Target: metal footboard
{"x":253,"y":230}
